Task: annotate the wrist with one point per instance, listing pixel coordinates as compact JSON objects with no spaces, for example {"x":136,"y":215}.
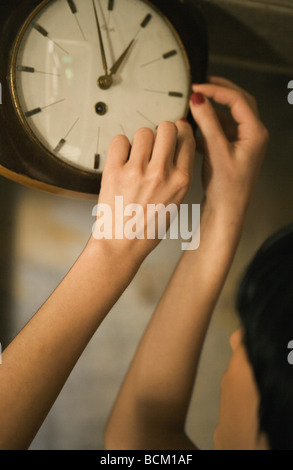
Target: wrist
{"x":116,"y":253}
{"x":225,"y":223}
{"x":227,"y":214}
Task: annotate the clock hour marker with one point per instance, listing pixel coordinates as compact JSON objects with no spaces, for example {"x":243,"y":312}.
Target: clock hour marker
{"x":24,"y":68}
{"x":59,"y":145}
{"x":72,"y":6}
{"x":33,"y":112}
{"x":144,"y":23}
{"x":73,"y":9}
{"x":40,"y":29}
{"x":62,"y":141}
{"x":45,"y":33}
{"x":146,"y":20}
{"x":165,"y":56}
{"x":169,"y":54}
{"x":110,"y":5}
{"x":39,"y":110}
{"x":174,"y":94}
{"x":97,"y":155}
{"x":97,"y":161}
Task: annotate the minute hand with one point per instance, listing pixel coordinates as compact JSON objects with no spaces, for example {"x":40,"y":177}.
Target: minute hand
{"x":105,"y":67}
{"x":119,"y":61}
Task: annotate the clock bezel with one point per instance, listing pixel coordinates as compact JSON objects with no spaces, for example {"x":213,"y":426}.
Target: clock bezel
{"x":13,"y":86}
{"x":44,"y":170}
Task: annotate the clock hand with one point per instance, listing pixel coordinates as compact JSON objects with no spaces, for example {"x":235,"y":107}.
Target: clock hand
{"x":119,"y":61}
{"x":105,"y":81}
{"x":104,"y":60}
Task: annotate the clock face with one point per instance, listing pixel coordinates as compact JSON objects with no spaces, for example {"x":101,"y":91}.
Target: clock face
{"x":84,"y":71}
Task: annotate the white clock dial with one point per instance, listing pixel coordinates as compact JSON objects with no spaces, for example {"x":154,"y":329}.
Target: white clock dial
{"x":74,"y":100}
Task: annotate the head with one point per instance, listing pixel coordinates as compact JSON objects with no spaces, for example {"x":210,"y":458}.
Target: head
{"x":256,"y":410}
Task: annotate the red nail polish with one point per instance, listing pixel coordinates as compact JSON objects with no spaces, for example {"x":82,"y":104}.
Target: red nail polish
{"x":197,"y":98}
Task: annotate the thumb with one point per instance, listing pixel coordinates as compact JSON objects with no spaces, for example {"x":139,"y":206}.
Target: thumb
{"x":207,"y":120}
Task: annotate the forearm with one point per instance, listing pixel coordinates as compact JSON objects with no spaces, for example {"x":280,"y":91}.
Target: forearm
{"x":157,"y":389}
{"x":152,"y":404}
{"x":37,"y":363}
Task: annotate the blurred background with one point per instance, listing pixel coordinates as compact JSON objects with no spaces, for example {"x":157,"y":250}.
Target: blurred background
{"x":251,"y":43}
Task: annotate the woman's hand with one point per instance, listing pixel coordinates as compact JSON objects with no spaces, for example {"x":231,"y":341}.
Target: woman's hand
{"x":155,"y":170}
{"x":233,"y":148}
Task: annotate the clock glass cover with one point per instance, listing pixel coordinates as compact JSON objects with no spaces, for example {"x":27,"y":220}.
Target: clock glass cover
{"x":84,"y":71}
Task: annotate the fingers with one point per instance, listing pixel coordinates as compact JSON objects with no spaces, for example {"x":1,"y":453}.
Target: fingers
{"x":206,"y":117}
{"x":118,"y":152}
{"x":229,"y":84}
{"x":242,"y":111}
{"x":165,"y":145}
{"x":142,"y":147}
{"x":240,"y":108}
{"x":173,"y":145}
{"x":222,"y":81}
{"x":185,"y":150}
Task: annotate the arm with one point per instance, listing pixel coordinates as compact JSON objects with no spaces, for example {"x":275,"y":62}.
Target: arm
{"x":39,"y":360}
{"x":152,"y":405}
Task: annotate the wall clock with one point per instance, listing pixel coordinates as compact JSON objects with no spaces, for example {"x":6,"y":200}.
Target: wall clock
{"x":75,"y":73}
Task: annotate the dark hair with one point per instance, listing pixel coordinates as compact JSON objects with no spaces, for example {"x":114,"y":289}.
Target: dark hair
{"x":265,"y":306}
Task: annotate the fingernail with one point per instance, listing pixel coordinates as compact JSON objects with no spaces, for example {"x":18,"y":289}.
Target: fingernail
{"x":184,"y":120}
{"x":197,"y":98}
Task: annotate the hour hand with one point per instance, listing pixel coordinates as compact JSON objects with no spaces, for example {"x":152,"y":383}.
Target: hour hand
{"x":119,"y":61}
{"x":105,"y":81}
